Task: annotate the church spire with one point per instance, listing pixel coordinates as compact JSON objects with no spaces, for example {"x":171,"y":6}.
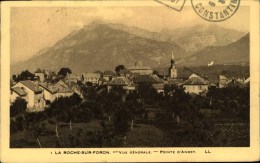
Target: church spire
{"x":172,"y":56}
{"x":172,"y":69}
{"x":172,"y":60}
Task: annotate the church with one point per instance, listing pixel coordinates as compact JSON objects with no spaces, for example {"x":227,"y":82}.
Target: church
{"x":172,"y":70}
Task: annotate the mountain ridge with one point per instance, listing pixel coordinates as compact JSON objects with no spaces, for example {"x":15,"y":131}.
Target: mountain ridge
{"x":233,"y":53}
{"x":110,"y":44}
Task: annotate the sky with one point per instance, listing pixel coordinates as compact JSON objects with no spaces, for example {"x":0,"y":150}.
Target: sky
{"x":35,"y":28}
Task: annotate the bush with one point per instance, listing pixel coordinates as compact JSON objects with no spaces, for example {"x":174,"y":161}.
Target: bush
{"x":19,"y":106}
{"x":48,"y":133}
{"x":120,"y":122}
{"x":48,"y":102}
{"x":50,"y":121}
{"x":19,"y":123}
{"x":13,"y":127}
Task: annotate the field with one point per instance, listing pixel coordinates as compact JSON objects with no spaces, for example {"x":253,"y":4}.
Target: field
{"x":223,"y":134}
{"x":135,"y":137}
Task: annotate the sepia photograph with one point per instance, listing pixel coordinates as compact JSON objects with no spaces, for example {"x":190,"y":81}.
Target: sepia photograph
{"x":126,"y":76}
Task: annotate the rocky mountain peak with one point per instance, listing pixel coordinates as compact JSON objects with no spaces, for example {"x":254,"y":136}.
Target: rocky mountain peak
{"x":102,"y":46}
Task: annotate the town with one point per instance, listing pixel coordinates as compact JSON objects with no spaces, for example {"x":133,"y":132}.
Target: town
{"x":121,"y":102}
{"x":42,"y":89}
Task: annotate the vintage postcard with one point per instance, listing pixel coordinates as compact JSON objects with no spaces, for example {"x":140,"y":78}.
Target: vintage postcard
{"x":130,"y":81}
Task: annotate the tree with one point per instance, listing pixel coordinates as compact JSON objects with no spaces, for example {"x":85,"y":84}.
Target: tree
{"x":19,"y":123}
{"x":64,"y":71}
{"x":24,"y":75}
{"x":74,"y":99}
{"x":89,"y":92}
{"x":134,"y":107}
{"x":19,"y":106}
{"x":13,"y":126}
{"x":14,"y":78}
{"x":119,"y":68}
{"x":120,"y":122}
{"x":89,"y":84}
{"x":148,"y":93}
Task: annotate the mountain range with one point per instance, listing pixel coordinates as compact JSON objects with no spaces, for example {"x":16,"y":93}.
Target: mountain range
{"x":233,"y":53}
{"x":101,"y":46}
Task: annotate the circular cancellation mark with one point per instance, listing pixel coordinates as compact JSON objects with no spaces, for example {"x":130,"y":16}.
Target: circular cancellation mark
{"x":215,"y":10}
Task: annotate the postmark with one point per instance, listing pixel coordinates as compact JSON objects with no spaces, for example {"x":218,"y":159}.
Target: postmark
{"x":215,"y":10}
{"x":173,"y":4}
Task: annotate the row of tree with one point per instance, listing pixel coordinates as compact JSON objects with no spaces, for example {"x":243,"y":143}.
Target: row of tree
{"x":27,"y":75}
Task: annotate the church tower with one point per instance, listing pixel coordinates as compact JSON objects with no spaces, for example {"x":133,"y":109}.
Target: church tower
{"x":172,"y":69}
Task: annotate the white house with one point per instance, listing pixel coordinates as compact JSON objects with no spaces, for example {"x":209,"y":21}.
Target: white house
{"x":91,"y":77}
{"x":195,"y":85}
{"x":50,"y":92}
{"x":222,"y":81}
{"x":17,"y":92}
{"x":140,"y":69}
{"x":34,"y":99}
{"x":123,"y":82}
{"x":63,"y":89}
{"x":72,"y":78}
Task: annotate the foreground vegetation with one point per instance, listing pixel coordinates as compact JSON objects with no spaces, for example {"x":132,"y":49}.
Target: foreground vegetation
{"x":143,"y":119}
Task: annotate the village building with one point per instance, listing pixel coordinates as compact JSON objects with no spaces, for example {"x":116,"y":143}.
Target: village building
{"x":34,"y":99}
{"x":222,"y":81}
{"x":91,"y":77}
{"x":176,"y":82}
{"x":126,"y":73}
{"x":40,"y":74}
{"x":235,"y":84}
{"x":152,"y":80}
{"x":75,"y":87}
{"x":72,"y":78}
{"x":102,"y":81}
{"x":140,"y":69}
{"x":64,"y":90}
{"x":17,"y":92}
{"x":109,"y":75}
{"x":61,"y":84}
{"x":50,"y":92}
{"x":195,"y":85}
{"x":123,"y":82}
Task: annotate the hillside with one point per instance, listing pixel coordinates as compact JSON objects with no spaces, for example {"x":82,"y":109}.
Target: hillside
{"x":234,"y":53}
{"x":100,"y":46}
{"x":192,"y":38}
{"x":198,"y":37}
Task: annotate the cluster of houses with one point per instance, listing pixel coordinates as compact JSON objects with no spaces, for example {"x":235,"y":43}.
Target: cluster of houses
{"x":41,"y":92}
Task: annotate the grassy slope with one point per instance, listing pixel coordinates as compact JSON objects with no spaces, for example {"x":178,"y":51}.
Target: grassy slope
{"x":225,"y":133}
